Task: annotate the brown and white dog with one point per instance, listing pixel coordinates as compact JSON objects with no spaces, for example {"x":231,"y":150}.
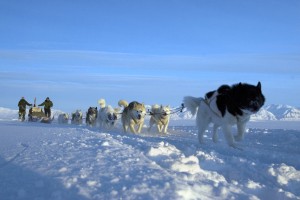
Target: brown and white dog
{"x":133,"y":115}
{"x":160,"y":115}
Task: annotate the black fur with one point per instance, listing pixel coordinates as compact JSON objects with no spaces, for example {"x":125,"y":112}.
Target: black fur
{"x":91,"y":111}
{"x":132,"y":104}
{"x":237,"y":97}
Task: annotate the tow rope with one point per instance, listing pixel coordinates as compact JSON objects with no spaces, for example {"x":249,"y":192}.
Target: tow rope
{"x":173,"y":111}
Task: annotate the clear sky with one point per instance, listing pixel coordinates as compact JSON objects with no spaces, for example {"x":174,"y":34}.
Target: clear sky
{"x":155,"y":51}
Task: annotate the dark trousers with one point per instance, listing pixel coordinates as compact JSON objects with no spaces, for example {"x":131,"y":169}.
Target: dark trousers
{"x":47,"y":112}
{"x":22,"y":113}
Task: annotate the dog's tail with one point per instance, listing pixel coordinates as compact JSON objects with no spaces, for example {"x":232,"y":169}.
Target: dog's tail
{"x":123,"y":103}
{"x":102,"y":103}
{"x":192,"y":103}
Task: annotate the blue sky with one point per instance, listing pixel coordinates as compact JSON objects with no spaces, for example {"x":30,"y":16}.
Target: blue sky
{"x":154,"y":51}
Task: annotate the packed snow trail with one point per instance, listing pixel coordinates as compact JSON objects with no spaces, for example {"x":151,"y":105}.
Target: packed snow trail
{"x":51,"y":161}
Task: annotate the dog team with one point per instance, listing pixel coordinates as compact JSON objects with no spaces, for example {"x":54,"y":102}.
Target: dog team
{"x":224,"y":107}
{"x":132,"y":116}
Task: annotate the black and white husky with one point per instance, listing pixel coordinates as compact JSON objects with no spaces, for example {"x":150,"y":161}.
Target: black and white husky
{"x":225,"y":107}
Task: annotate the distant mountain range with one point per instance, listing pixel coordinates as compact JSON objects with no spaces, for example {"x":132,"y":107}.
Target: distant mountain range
{"x":277,"y":112}
{"x":270,"y":112}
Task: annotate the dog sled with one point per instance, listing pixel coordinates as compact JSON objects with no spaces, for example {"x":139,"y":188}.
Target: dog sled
{"x":36,"y":114}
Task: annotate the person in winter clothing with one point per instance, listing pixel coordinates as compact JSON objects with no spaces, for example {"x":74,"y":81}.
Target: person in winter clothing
{"x":22,"y":108}
{"x":47,"y":106}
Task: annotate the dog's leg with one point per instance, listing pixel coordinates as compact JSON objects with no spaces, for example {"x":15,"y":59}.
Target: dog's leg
{"x":241,"y":126}
{"x":125,"y":127}
{"x":215,"y":134}
{"x":202,"y":121}
{"x":132,"y":129}
{"x":150,"y":124}
{"x":140,"y":127}
{"x":159,"y":128}
{"x":102,"y":124}
{"x":202,"y":124}
{"x":228,"y":135}
{"x":166,"y":128}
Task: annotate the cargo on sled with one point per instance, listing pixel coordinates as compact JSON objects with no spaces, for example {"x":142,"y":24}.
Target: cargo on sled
{"x":36,"y":114}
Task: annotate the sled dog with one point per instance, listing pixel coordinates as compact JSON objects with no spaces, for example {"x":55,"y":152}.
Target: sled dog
{"x":133,"y":115}
{"x":160,"y":115}
{"x":76,"y":117}
{"x":91,"y":116}
{"x":107,"y":115}
{"x":225,"y":107}
{"x":63,"y":118}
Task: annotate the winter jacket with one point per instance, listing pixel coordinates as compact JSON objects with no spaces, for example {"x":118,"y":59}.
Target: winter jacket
{"x":22,"y":104}
{"x":47,"y":104}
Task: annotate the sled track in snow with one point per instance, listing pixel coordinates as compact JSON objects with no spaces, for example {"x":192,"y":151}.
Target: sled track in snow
{"x":26,"y":146}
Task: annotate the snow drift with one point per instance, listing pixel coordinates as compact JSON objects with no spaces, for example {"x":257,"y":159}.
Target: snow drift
{"x":52,"y":161}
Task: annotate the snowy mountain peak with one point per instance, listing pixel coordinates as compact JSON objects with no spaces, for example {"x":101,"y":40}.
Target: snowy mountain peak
{"x":270,"y":112}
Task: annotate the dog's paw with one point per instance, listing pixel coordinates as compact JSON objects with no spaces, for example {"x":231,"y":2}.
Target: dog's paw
{"x":238,"y":138}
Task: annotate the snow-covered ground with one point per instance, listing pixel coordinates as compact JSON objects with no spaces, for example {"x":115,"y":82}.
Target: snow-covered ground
{"x":53,"y":161}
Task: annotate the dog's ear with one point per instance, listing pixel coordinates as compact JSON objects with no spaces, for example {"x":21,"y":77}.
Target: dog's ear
{"x":132,"y":105}
{"x":258,"y":85}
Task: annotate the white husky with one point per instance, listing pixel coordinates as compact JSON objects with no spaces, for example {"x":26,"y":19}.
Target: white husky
{"x":160,"y":115}
{"x":63,"y":118}
{"x":107,"y":115}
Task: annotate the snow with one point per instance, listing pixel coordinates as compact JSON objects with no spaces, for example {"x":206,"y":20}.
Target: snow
{"x":53,"y":161}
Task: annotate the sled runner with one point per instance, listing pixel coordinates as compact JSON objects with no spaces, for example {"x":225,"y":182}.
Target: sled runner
{"x":47,"y":119}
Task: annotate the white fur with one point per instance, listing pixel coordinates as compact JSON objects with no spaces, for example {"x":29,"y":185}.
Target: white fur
{"x":63,"y":118}
{"x":208,"y":113}
{"x":104,"y":115}
{"x":161,"y":117}
{"x":76,"y":117}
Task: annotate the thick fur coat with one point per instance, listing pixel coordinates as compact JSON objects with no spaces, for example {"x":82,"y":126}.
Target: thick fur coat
{"x":224,"y":107}
{"x":91,"y":116}
{"x":76,"y":117}
{"x":133,"y":116}
{"x":107,"y":115}
{"x":160,"y":115}
{"x":63,"y":118}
